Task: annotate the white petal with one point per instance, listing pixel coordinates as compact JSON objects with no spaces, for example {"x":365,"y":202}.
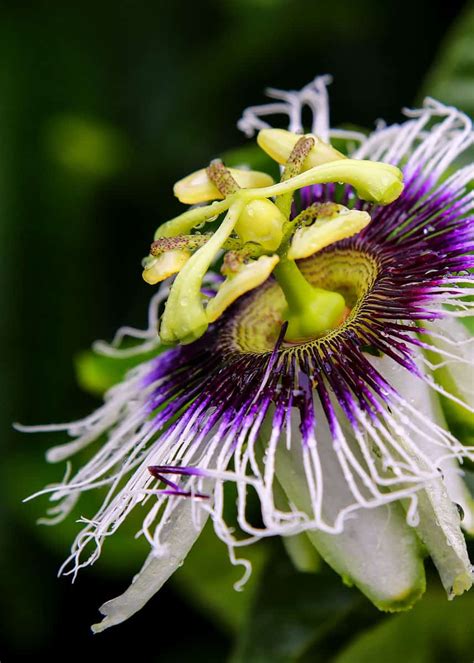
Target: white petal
{"x":457,"y":376}
{"x":377,"y":550}
{"x":178,"y":536}
{"x":439,"y":524}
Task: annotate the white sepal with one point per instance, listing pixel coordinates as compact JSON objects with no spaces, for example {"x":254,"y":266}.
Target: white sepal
{"x":376,"y":549}
{"x":177,"y":538}
{"x":439,"y":525}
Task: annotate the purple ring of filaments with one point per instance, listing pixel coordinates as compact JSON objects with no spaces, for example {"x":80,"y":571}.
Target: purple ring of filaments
{"x":420,"y":242}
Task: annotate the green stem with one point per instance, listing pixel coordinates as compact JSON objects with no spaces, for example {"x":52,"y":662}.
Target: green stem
{"x":310,"y":311}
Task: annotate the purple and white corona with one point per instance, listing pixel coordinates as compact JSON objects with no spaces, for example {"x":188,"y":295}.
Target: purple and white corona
{"x":314,"y":328}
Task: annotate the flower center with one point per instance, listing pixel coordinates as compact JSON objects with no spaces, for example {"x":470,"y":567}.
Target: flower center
{"x":255,"y":325}
{"x":259,"y":236}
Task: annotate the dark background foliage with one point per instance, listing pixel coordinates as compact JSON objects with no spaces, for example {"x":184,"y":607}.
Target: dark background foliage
{"x":103,"y":105}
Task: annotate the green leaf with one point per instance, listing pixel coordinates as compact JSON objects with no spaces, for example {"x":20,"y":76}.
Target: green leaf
{"x":86,"y":147}
{"x":294,"y":612}
{"x":435,"y":631}
{"x":207,"y":579}
{"x":451,"y":79}
{"x":96,"y":373}
{"x":122,"y":554}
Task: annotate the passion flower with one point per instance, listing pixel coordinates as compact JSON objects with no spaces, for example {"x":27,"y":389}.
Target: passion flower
{"x":309,"y":372}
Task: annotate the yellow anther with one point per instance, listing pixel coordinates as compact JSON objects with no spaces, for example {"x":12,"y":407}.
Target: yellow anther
{"x":199,"y":188}
{"x":333,"y":223}
{"x":261,"y":221}
{"x":248,"y":277}
{"x":168,"y":263}
{"x":279,"y":144}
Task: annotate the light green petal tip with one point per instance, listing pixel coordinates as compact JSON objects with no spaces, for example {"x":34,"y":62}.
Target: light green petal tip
{"x":378,"y":553}
{"x":406,"y":599}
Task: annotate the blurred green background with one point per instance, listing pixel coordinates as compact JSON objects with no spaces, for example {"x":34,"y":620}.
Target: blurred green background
{"x":103,"y":105}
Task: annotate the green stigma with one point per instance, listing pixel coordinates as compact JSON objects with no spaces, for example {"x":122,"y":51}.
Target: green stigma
{"x":258,"y":237}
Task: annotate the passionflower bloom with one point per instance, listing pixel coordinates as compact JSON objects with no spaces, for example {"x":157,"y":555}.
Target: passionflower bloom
{"x":314,"y":335}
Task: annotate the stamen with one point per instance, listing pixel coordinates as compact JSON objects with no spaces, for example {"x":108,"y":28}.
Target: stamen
{"x":279,"y":144}
{"x":199,"y":187}
{"x":298,"y":155}
{"x":184,"y":319}
{"x":247,"y":277}
{"x":332,"y":223}
{"x":160,"y":268}
{"x":222,"y":178}
{"x":189,"y":242}
{"x":375,"y":182}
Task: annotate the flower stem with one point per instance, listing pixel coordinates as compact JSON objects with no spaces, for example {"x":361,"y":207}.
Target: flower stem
{"x":310,"y":311}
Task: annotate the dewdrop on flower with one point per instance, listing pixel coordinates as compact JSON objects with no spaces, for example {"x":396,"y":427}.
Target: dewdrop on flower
{"x":309,"y":372}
